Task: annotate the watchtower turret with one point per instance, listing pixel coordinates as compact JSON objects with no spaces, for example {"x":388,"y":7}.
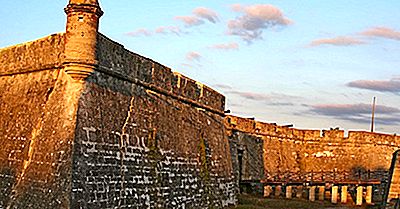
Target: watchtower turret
{"x":81,"y":37}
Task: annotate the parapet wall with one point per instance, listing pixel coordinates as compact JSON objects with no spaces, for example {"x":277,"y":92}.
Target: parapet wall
{"x":294,"y":154}
{"x":267,"y":129}
{"x":117,"y":61}
{"x":41,"y":54}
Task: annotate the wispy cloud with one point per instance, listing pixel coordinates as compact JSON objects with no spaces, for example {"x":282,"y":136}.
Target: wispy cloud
{"x":237,"y":7}
{"x":375,"y":32}
{"x":272,"y":99}
{"x":251,"y":95}
{"x":222,"y":86}
{"x":359,"y":113}
{"x":193,"y":56}
{"x":282,"y":104}
{"x":366,"y":119}
{"x":382,"y":32}
{"x":199,"y":15}
{"x":164,"y":30}
{"x":228,"y":46}
{"x":254,"y":20}
{"x":206,"y":13}
{"x":392,"y":85}
{"x":168,"y":29}
{"x":189,"y":20}
{"x":337,"y":41}
{"x":388,"y":120}
{"x":140,"y":32}
{"x":351,"y":109}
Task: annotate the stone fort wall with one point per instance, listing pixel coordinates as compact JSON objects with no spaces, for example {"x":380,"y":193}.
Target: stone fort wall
{"x":38,"y":102}
{"x":148,"y":137}
{"x":291,"y":154}
{"x":133,"y":134}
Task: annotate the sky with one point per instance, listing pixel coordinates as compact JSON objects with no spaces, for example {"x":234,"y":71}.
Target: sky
{"x":311,"y":63}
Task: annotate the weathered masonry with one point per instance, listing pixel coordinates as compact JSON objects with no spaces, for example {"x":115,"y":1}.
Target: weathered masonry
{"x":392,"y":192}
{"x":85,"y":123}
{"x":277,"y":155}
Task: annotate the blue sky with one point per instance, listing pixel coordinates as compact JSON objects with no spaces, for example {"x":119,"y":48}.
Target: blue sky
{"x":314,"y":64}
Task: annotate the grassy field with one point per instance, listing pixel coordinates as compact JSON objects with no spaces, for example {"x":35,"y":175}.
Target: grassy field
{"x":252,"y":202}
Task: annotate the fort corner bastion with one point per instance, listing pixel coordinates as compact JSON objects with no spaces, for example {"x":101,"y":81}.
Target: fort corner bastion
{"x":86,"y":123}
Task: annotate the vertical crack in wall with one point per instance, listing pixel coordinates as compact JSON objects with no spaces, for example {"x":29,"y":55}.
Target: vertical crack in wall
{"x":123,"y":150}
{"x":205,"y":167}
{"x":35,"y":133}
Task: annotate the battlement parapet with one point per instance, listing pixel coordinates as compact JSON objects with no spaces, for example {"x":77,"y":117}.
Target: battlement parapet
{"x":114,"y":59}
{"x":333,"y":134}
{"x":41,"y":54}
{"x":251,"y":126}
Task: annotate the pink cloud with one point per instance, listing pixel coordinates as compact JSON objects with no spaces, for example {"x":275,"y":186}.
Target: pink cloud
{"x":190,"y":20}
{"x":193,"y":56}
{"x":392,"y":85}
{"x":160,"y":30}
{"x":229,"y":46}
{"x":206,"y":13}
{"x":140,"y":32}
{"x":267,"y":12}
{"x":354,"y":109}
{"x":237,"y":7}
{"x":254,"y":20}
{"x":270,"y":99}
{"x":168,"y":29}
{"x":199,"y":15}
{"x":359,"y":113}
{"x":251,"y":95}
{"x":337,"y":41}
{"x":382,"y":32}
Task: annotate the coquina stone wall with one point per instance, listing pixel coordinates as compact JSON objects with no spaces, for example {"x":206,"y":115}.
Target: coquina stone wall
{"x":131,"y":135}
{"x":149,"y":138}
{"x":38,"y":105}
{"x":38,"y":55}
{"x":296,"y":155}
{"x":393,"y":189}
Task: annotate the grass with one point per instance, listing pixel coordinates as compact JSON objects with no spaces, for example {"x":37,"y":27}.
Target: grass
{"x":253,"y":202}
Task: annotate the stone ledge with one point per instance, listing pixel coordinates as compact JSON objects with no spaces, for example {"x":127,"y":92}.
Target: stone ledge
{"x":41,"y":54}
